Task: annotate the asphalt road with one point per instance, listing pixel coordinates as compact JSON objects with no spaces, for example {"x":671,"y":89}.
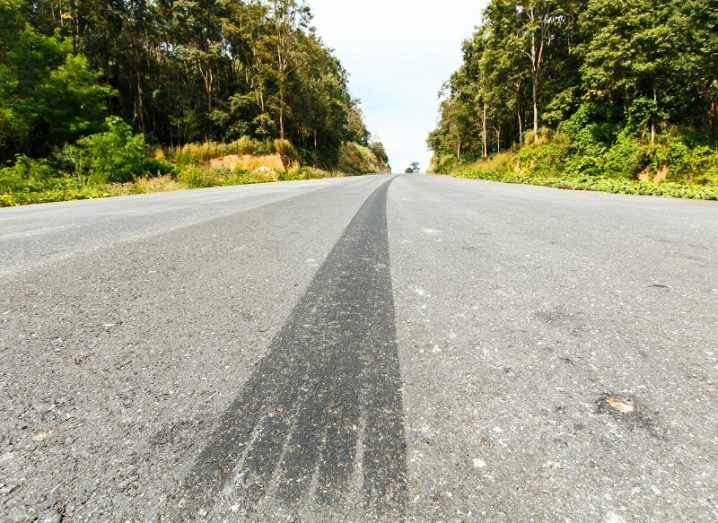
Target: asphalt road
{"x":395,"y":348}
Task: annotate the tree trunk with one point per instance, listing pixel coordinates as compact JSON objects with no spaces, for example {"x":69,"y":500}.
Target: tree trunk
{"x":653,"y":117}
{"x":535,"y":102}
{"x":282,"y":66}
{"x":534,"y":76}
{"x":485,"y":145}
{"x":281,"y":112}
{"x":260,"y":96}
{"x":521,"y":127}
{"x":140,"y":103}
{"x":536,"y":56}
{"x":76,"y":17}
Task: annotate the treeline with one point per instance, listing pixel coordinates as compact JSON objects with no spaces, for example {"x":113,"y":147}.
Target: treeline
{"x":614,"y":87}
{"x":177,"y":71}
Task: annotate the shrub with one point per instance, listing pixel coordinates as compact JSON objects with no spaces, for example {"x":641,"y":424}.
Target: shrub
{"x":116,"y":155}
{"x":287,"y":152}
{"x":697,"y":164}
{"x":624,"y":159}
{"x":26,"y":175}
{"x":246,"y":145}
{"x":444,"y":164}
{"x":586,"y":143}
{"x":161,"y":183}
{"x":306,"y":173}
{"x":545,"y":159}
{"x":248,"y":162}
{"x":196,"y":177}
{"x":158,"y":167}
{"x":192,"y":153}
{"x":261,"y":175}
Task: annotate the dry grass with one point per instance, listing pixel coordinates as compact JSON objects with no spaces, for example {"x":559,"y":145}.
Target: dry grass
{"x":502,"y":162}
{"x":198,"y":153}
{"x":203,"y":153}
{"x":157,"y":184}
{"x":248,"y":162}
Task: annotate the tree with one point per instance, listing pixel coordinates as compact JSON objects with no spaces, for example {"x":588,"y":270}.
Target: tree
{"x":641,"y":69}
{"x":178,"y":70}
{"x":289,"y":16}
{"x":49,"y":94}
{"x":635,"y":60}
{"x":413,"y":168}
{"x":378,"y":149}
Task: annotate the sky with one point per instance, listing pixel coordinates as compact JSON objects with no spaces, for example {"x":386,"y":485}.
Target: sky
{"x":398,"y":54}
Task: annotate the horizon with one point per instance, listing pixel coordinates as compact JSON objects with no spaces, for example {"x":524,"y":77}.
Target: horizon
{"x":398,"y":72}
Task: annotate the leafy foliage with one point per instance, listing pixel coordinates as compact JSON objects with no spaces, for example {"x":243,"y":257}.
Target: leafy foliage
{"x":116,"y":155}
{"x":96,"y":94}
{"x":358,"y":159}
{"x":48,"y":94}
{"x":179,"y":72}
{"x":588,"y":87}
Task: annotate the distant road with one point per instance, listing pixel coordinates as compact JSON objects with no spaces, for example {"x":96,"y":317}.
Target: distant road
{"x":408,"y":347}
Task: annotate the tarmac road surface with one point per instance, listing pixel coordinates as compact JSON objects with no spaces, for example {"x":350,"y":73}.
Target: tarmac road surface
{"x":412,"y":348}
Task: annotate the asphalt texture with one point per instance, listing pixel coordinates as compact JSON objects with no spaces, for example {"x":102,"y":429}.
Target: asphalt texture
{"x":411,"y":348}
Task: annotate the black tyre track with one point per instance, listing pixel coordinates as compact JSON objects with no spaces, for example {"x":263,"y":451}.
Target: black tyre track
{"x":325,"y":403}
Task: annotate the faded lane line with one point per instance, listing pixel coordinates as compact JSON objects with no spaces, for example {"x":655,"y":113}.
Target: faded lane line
{"x":325,"y":404}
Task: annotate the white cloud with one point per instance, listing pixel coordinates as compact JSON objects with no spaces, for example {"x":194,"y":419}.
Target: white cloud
{"x":398,"y":54}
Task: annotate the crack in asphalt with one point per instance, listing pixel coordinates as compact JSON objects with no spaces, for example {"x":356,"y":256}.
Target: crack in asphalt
{"x":324,"y":407}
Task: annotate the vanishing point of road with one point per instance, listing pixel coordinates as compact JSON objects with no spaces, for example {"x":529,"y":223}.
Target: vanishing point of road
{"x":409,"y":348}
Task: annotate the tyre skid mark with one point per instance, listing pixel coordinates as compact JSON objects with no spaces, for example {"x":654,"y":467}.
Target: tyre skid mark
{"x":324,"y":406}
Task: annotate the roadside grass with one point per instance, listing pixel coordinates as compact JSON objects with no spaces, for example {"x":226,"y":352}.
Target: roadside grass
{"x":190,"y":177}
{"x":120,"y":163}
{"x":198,"y":153}
{"x":505,"y":168}
{"x":247,"y":162}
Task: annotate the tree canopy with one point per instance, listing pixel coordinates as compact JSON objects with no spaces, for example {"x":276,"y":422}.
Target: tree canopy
{"x":646,"y":67}
{"x":177,"y":70}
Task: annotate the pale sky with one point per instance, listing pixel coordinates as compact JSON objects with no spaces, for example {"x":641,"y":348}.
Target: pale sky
{"x":398,"y":54}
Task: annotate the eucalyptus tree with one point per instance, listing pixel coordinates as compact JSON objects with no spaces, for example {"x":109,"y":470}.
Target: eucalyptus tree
{"x":635,"y":60}
{"x":289,"y":18}
{"x":644,"y":68}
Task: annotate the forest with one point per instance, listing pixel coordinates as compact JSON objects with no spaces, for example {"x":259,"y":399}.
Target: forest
{"x":98,"y":93}
{"x":587,"y":94}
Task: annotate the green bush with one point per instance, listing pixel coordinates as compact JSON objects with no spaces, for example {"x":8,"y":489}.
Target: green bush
{"x":246,"y":145}
{"x":287,"y":152}
{"x":624,"y":159}
{"x":545,"y":159}
{"x":55,"y":189}
{"x":444,"y":163}
{"x":305,"y":173}
{"x":595,"y":157}
{"x":26,"y":175}
{"x":695,"y":164}
{"x":196,"y":177}
{"x":157,"y":167}
{"x":600,"y":183}
{"x":116,"y":155}
{"x":586,"y":144}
